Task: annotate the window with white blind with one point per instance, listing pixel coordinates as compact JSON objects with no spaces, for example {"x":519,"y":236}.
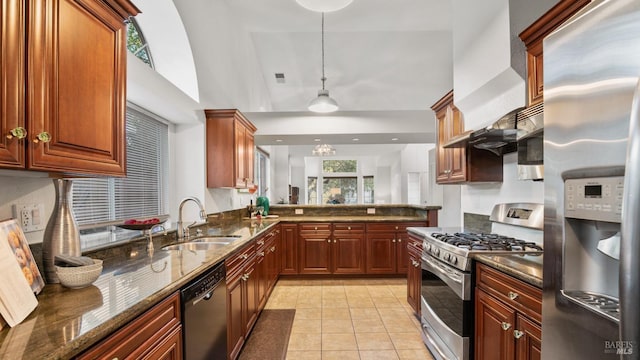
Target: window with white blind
{"x":100,"y":203}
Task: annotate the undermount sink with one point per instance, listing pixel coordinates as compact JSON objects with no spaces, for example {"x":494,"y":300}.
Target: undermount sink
{"x":204,"y":243}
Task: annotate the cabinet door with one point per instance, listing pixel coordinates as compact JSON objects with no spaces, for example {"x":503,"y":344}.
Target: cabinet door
{"x":402,"y":253}
{"x":251,"y":298}
{"x":289,"y":251}
{"x":240,"y":156}
{"x":494,"y":328}
{"x":12,"y":79}
{"x":381,"y":253}
{"x":443,"y":158}
{"x":76,"y":86}
{"x":414,"y":278}
{"x":249,"y":146}
{"x":315,"y":253}
{"x":348,"y":254}
{"x":262,"y":276}
{"x":169,"y":349}
{"x":458,"y":160}
{"x":235,"y":323}
{"x":528,"y":339}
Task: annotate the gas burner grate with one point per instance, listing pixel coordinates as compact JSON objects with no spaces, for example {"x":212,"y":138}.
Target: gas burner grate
{"x":485,"y":242}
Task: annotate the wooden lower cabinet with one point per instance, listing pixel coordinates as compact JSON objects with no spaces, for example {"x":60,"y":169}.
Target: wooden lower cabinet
{"x":156,"y":334}
{"x":386,"y":245}
{"x":289,"y":249}
{"x":507,"y":317}
{"x":347,"y":253}
{"x":315,"y":249}
{"x":242,"y":298}
{"x":414,"y":273}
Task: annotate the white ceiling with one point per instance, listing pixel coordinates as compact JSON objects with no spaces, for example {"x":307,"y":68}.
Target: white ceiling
{"x":381,"y":57}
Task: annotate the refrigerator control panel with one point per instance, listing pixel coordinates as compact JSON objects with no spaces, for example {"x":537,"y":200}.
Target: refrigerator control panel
{"x":594,"y":198}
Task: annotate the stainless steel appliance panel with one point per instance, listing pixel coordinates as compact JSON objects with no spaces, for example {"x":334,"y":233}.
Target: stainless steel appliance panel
{"x":592,"y":64}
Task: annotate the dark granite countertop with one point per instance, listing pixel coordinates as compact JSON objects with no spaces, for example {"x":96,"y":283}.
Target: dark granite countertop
{"x":527,"y":268}
{"x":68,"y":321}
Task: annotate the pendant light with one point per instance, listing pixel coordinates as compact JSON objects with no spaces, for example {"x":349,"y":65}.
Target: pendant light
{"x":324,"y":5}
{"x":324,"y":150}
{"x":323,"y":103}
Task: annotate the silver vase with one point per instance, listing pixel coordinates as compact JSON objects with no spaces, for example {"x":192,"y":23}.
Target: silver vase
{"x":61,"y":235}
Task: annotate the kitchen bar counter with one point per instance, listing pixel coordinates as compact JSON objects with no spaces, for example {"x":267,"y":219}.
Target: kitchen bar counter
{"x":66,"y":321}
{"x":527,"y":268}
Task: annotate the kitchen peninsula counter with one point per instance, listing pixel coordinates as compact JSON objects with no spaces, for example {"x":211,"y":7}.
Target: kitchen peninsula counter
{"x":527,"y":268}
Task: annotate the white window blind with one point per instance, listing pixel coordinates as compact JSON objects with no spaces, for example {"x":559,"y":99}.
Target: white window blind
{"x":142,"y":193}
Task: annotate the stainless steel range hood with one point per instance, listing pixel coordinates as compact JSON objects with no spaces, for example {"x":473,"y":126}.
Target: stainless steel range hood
{"x":499,"y":137}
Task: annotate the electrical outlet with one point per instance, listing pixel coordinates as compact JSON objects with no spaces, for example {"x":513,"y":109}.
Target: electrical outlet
{"x":29,"y":216}
{"x":371,"y":211}
{"x":299,"y":211}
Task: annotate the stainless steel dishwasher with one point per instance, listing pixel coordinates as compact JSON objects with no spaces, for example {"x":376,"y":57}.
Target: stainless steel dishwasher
{"x":204,"y":316}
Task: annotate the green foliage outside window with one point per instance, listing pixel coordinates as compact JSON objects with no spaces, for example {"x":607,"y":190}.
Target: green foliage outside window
{"x":339,"y":166}
{"x":136,"y":43}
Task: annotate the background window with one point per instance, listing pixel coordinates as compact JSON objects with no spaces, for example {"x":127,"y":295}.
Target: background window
{"x":339,"y":166}
{"x":136,"y":44}
{"x":100,"y":203}
{"x":367,"y":194}
{"x":340,"y":190}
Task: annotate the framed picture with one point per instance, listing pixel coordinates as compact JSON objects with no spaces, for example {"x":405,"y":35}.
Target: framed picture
{"x":11,"y":232}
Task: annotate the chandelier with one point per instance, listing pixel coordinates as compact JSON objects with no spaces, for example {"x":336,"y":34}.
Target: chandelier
{"x":324,"y":150}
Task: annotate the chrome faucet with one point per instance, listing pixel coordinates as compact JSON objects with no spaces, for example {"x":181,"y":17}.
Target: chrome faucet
{"x":203,"y":216}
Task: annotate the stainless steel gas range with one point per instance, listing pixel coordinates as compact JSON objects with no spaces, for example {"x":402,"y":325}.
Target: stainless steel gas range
{"x":447,"y":288}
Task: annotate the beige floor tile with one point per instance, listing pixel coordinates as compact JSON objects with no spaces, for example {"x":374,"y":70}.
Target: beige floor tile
{"x":407,"y":341}
{"x":393,"y":314}
{"x":378,"y":355}
{"x":303,"y":341}
{"x":345,"y":341}
{"x":308,"y":303}
{"x":330,"y":326}
{"x":422,"y":354}
{"x":335,"y":303}
{"x":360,"y":302}
{"x":387,"y":302}
{"x":304,"y":355}
{"x":309,"y":313}
{"x":364,"y":313}
{"x":368,"y":326}
{"x":311,"y":326}
{"x":336,"y":314}
{"x":399,"y":326}
{"x":340,"y":355}
{"x":374,"y":341}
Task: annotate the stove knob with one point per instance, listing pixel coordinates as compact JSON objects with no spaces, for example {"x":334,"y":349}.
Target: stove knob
{"x":427,"y":248}
{"x":437,"y":252}
{"x":454,"y":260}
{"x":446,"y":257}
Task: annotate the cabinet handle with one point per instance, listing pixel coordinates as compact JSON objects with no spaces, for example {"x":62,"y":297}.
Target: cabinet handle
{"x":244,"y":256}
{"x":396,"y":228}
{"x":329,"y":241}
{"x":506,"y":326}
{"x":399,"y":240}
{"x":245,"y":277}
{"x":448,"y":171}
{"x":512,"y":295}
{"x":260,"y":242}
{"x":517,"y":334}
{"x":18,"y":132}
{"x":261,"y":253}
{"x":335,"y":241}
{"x":44,"y":136}
{"x":273,"y":249}
{"x":316,"y":228}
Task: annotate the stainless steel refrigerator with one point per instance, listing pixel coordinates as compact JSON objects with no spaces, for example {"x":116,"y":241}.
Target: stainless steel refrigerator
{"x":592,"y":178}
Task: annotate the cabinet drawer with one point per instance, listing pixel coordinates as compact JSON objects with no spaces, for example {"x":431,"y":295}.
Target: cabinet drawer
{"x":140,"y":336}
{"x":314,"y":227}
{"x":347,"y":228}
{"x":235,"y":262}
{"x":516,"y":293}
{"x":389,"y":227}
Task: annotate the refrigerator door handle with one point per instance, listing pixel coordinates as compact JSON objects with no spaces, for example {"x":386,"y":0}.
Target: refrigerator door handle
{"x":630,"y":239}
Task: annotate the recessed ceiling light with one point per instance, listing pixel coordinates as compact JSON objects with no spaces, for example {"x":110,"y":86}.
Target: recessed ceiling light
{"x":355,"y":139}
{"x":324,"y":5}
{"x":394,"y":139}
{"x":278,"y":140}
{"x":316,"y":140}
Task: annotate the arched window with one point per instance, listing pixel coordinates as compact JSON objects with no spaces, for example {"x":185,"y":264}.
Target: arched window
{"x":136,"y":43}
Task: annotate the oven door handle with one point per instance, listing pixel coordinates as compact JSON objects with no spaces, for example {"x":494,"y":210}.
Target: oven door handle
{"x":444,"y":271}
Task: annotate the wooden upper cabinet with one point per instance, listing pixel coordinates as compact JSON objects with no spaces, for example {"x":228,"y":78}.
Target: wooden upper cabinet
{"x":69,"y":94}
{"x":230,"y":149}
{"x":460,"y":164}
{"x":533,"y":37}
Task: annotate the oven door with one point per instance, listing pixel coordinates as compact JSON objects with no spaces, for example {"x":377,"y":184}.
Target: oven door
{"x":447,"y":310}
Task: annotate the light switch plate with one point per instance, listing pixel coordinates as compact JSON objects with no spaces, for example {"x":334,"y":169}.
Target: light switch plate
{"x":299,"y":211}
{"x":371,"y":211}
{"x":30,"y":217}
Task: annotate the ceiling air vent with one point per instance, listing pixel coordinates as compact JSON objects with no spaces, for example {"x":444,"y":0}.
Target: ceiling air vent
{"x":280,"y":78}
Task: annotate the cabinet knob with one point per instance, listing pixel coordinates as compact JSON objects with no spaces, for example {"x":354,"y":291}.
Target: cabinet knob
{"x":329,"y":241}
{"x":260,"y":242}
{"x":244,"y":256}
{"x":335,"y":241}
{"x":505,"y":326}
{"x":261,"y":253}
{"x":396,"y":228}
{"x":18,"y":132}
{"x":316,"y":228}
{"x":273,"y":249}
{"x":399,"y":240}
{"x":517,"y":334}
{"x":44,"y":136}
{"x":512,"y":295}
{"x":394,"y":240}
{"x":348,"y":227}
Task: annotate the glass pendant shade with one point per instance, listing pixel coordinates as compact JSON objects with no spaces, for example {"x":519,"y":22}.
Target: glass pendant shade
{"x":324,"y":5}
{"x":323,"y":103}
